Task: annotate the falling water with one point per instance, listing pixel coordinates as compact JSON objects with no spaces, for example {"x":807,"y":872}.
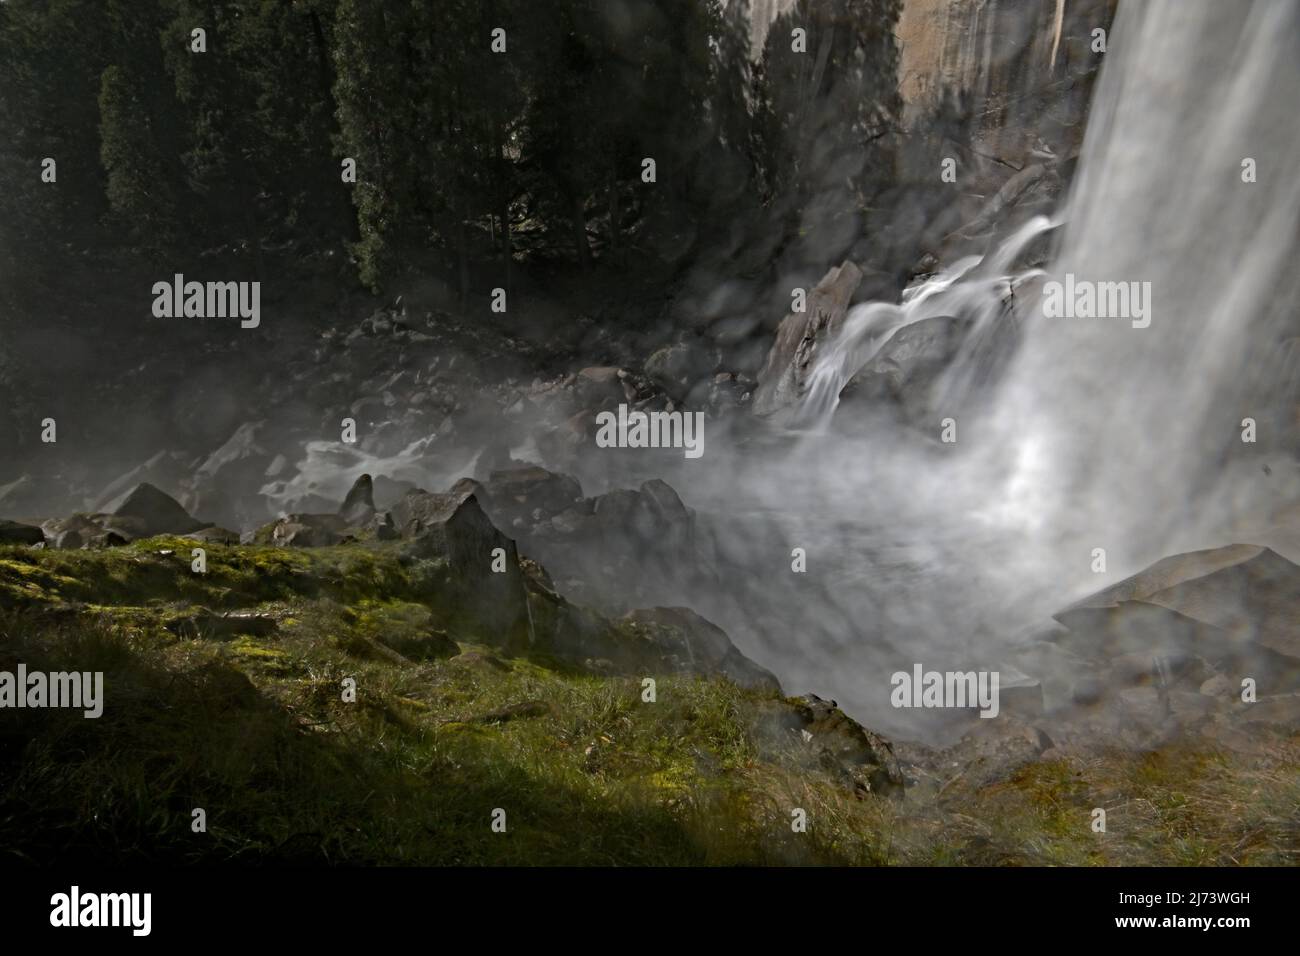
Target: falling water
{"x":971,"y":287}
{"x":1122,"y":436}
{"x":1142,"y":426}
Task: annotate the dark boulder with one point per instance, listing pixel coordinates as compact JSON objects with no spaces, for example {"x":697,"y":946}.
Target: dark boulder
{"x":518,"y":493}
{"x":359,"y":505}
{"x":487,"y":584}
{"x":146,"y":511}
{"x":11,"y":532}
{"x":169,"y":471}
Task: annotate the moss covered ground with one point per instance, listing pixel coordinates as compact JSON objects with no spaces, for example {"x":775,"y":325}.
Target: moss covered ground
{"x":246,"y":718}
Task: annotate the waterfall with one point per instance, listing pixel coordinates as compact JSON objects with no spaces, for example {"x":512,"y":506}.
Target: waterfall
{"x":1118,"y":434}
{"x":1142,"y":426}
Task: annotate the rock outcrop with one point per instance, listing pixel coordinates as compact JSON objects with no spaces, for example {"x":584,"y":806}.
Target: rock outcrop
{"x":487,"y":584}
{"x":359,"y":505}
{"x":145,"y":511}
{"x":623,"y":549}
{"x":1173,"y":649}
{"x":1025,"y":68}
{"x":800,"y":338}
{"x":659,"y":640}
{"x":684,"y":641}
{"x":822,"y":735}
{"x":902,"y":375}
{"x":12,"y":532}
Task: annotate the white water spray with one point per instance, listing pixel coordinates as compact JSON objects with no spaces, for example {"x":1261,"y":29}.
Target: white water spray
{"x":1124,"y":437}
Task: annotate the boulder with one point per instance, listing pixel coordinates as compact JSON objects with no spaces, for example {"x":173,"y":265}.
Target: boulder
{"x":359,"y":505}
{"x":676,"y":368}
{"x":302,"y":530}
{"x":11,"y":532}
{"x":661,"y":640}
{"x":623,"y":549}
{"x":81,"y":531}
{"x":487,"y":585}
{"x":903,"y":372}
{"x":517,"y":493}
{"x":146,"y":511}
{"x":166,"y":470}
{"x":800,"y":338}
{"x":1235,"y":607}
{"x":1139,"y":652}
{"x":598,"y":384}
{"x":213,"y":535}
{"x":674,"y":523}
{"x":685,"y":642}
{"x":866,"y":758}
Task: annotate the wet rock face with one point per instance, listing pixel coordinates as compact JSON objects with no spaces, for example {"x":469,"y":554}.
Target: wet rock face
{"x":800,"y":338}
{"x":1029,"y":76}
{"x":903,"y":373}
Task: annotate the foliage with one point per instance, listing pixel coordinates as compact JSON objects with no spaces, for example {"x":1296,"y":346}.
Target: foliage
{"x":464,"y":154}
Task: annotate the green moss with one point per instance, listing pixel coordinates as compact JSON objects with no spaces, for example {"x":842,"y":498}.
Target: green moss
{"x":257,"y":725}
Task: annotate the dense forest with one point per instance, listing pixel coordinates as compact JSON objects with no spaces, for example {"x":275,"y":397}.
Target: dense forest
{"x":434,"y":136}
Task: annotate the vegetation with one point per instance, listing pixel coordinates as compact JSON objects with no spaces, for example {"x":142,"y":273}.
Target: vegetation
{"x":470,"y":146}
{"x":253,"y":728}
